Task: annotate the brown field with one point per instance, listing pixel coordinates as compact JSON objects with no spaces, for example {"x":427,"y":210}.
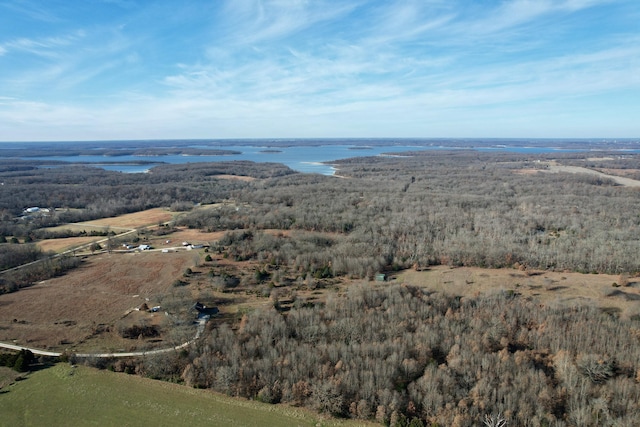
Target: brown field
{"x":237,"y":177}
{"x":199,"y":237}
{"x":85,"y":226}
{"x":619,"y":176}
{"x":80,"y":309}
{"x":135,"y":220}
{"x":190,"y":235}
{"x":61,"y":245}
{"x":545,"y":287}
{"x":118,"y":225}
{"x":620,"y":172}
{"x":121,"y":223}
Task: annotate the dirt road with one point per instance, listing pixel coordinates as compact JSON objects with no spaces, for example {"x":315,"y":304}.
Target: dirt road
{"x":201,"y":325}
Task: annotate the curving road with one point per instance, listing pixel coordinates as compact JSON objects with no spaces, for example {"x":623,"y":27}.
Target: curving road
{"x":201,"y":325}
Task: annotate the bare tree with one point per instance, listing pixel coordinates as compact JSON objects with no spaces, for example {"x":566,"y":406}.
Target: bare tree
{"x":497,"y":421}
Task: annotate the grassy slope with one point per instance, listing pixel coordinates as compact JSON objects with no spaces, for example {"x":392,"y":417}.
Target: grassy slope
{"x":82,"y":396}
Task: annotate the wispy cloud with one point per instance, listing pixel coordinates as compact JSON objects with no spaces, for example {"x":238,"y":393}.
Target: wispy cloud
{"x":46,"y":47}
{"x":515,"y":13}
{"x":298,"y":67}
{"x":31,"y":10}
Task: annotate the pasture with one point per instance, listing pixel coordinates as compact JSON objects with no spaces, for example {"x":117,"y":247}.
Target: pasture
{"x":63,"y":395}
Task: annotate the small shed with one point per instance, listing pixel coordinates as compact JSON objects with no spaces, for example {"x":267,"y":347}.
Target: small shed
{"x":381,"y":277}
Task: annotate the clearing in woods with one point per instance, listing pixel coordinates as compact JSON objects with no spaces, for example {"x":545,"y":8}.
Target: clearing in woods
{"x":135,"y":220}
{"x":546,"y":287}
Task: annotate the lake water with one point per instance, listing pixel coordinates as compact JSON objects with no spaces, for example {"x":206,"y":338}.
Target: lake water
{"x":302,"y":158}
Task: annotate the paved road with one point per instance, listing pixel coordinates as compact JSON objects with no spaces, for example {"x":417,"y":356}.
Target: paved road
{"x":32,"y":350}
{"x":201,"y":325}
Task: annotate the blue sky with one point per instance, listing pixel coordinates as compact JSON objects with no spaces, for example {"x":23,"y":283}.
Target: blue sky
{"x":127,"y":69}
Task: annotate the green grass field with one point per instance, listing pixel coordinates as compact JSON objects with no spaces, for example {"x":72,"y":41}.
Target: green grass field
{"x":66,"y":396}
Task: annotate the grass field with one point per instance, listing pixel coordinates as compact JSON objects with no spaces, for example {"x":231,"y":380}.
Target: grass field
{"x":7,"y":376}
{"x":79,"y":396}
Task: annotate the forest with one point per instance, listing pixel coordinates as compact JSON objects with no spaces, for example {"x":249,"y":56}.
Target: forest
{"x":389,"y":352}
{"x":398,"y":355}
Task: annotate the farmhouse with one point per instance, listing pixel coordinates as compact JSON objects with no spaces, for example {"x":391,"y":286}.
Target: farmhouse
{"x":203,"y":310}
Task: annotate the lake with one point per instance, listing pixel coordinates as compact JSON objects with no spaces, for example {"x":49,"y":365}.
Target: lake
{"x":302,"y":158}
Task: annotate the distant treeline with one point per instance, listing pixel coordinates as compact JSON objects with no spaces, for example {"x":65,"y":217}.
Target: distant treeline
{"x":456,"y":208}
{"x":112,"y":152}
{"x":82,"y":193}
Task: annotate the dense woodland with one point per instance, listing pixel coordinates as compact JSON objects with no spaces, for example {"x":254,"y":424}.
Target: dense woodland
{"x":391,"y":353}
{"x":397,"y":354}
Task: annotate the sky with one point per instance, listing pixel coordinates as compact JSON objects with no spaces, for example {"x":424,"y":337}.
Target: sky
{"x":196,"y":69}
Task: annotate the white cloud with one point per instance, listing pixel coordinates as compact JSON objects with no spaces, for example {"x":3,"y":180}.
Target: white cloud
{"x":32,"y":10}
{"x":46,"y":47}
{"x":258,"y":21}
{"x":292,"y":68}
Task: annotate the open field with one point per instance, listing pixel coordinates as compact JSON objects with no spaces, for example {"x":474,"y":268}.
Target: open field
{"x":135,"y":220}
{"x":616,"y":175}
{"x":176,"y":238}
{"x":236,"y":177}
{"x":545,"y":287}
{"x":79,"y":307}
{"x":63,"y":395}
{"x":192,"y":236}
{"x":119,"y":224}
{"x":82,"y":310}
{"x":66,"y":243}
